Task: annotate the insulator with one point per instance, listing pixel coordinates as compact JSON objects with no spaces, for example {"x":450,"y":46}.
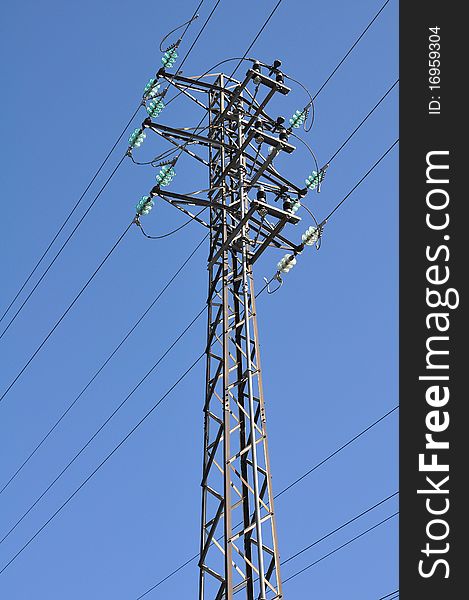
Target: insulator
{"x":313,"y":180}
{"x":296,"y":207}
{"x":155,"y":107}
{"x":256,"y":67}
{"x":136,"y":138}
{"x":298,"y":118}
{"x":277,"y":63}
{"x":261,"y":196}
{"x":169,"y":58}
{"x":279,"y":78}
{"x":287,"y":263}
{"x":144,"y":205}
{"x":310,"y":236}
{"x":151,"y":89}
{"x":165,"y":176}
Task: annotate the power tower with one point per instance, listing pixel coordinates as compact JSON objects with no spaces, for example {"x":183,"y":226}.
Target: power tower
{"x":250,"y":203}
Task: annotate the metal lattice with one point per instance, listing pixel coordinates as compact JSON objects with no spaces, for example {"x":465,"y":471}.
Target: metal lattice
{"x":239,"y":548}
{"x":239,"y":541}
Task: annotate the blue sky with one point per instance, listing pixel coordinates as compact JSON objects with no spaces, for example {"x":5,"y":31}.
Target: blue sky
{"x":73,"y":74}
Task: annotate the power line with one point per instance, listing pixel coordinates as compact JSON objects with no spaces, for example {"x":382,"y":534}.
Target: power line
{"x":50,"y":265}
{"x":357,"y":128}
{"x":103,"y":365}
{"x":187,"y":24}
{"x":70,"y":214}
{"x":351,"y":49}
{"x":319,"y":464}
{"x":86,"y":190}
{"x":390,"y":594}
{"x":165,"y":579}
{"x":76,"y":298}
{"x":259,"y":544}
{"x":169,"y":576}
{"x":70,"y":306}
{"x":355,"y":518}
{"x":257,"y":37}
{"x":62,"y":506}
{"x":236,"y":68}
{"x":350,"y":441}
{"x":62,"y":248}
{"x":200,"y":357}
{"x":103,"y":425}
{"x":207,"y":20}
{"x":363,"y":121}
{"x":361,"y":180}
{"x":173,"y":231}
{"x":267,"y":283}
{"x":266,"y":22}
{"x":321,"y":539}
{"x":341,"y":546}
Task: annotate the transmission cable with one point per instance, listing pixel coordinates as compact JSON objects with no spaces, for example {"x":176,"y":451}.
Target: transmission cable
{"x":105,"y":422}
{"x":327,"y":535}
{"x":70,"y":214}
{"x":50,"y":333}
{"x":70,"y":306}
{"x":312,"y":98}
{"x":363,"y":121}
{"x":348,"y":443}
{"x":123,"y":132}
{"x":351,"y":49}
{"x":360,"y":535}
{"x":342,"y":146}
{"x":113,"y":451}
{"x":330,"y":76}
{"x":357,"y":128}
{"x":165,"y":235}
{"x":207,"y":20}
{"x":353,"y":519}
{"x":266,"y":22}
{"x":183,"y":146}
{"x":129,"y":226}
{"x":390,"y":594}
{"x":267,"y":283}
{"x":62,"y":247}
{"x":187,"y":24}
{"x":322,"y":462}
{"x":80,"y":199}
{"x":361,"y":181}
{"x":108,"y":359}
{"x":199,"y":77}
{"x":348,"y":139}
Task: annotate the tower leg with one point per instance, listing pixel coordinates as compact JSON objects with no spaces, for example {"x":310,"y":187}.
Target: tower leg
{"x":238,"y":551}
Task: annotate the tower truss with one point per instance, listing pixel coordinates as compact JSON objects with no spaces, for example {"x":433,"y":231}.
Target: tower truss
{"x":250,"y":203}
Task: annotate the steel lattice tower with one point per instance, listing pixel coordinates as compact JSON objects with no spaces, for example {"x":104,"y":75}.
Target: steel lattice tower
{"x":238,"y":547}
